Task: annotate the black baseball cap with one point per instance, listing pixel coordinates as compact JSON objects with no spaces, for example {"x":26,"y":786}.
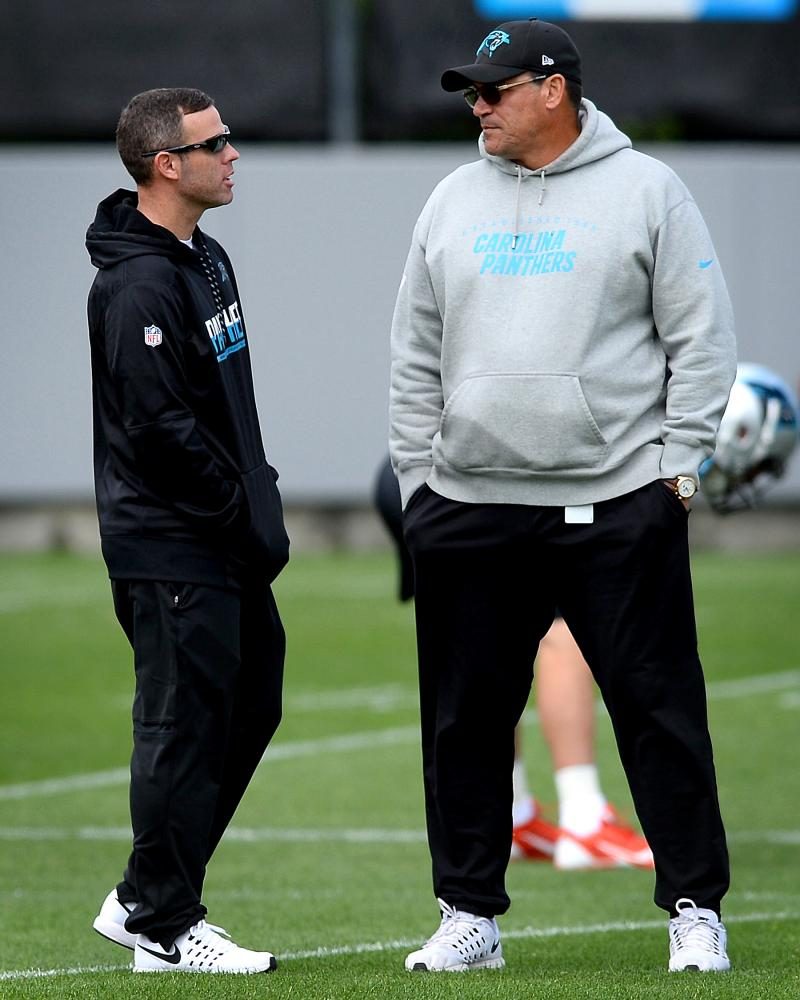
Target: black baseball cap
{"x":517,"y":47}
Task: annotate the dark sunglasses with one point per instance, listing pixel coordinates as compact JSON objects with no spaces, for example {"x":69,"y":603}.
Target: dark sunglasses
{"x":493,"y":92}
{"x":214,"y":145}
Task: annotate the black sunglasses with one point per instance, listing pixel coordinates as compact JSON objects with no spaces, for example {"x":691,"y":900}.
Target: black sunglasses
{"x":214,"y":145}
{"x":493,"y":92}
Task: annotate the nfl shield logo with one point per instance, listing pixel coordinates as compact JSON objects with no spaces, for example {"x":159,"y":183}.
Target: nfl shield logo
{"x":152,"y":336}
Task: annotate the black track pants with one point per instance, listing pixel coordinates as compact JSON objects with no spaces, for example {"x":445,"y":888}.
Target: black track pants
{"x":209,"y":674}
{"x":488,"y":580}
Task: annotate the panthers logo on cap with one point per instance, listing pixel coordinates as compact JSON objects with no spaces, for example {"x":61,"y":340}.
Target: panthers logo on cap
{"x":493,"y":41}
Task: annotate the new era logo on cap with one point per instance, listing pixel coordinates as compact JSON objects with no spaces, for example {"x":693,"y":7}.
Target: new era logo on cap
{"x":516,"y":47}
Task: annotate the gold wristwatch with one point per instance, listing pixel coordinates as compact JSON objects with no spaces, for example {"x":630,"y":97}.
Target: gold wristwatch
{"x":685,"y":487}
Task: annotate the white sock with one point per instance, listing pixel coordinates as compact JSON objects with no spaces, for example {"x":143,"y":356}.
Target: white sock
{"x":524,"y":807}
{"x":580,"y":800}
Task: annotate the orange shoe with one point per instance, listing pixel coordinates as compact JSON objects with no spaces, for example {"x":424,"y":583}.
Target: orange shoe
{"x":613,"y":845}
{"x":534,"y":840}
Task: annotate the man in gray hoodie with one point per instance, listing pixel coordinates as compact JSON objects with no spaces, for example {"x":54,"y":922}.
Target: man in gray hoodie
{"x":562,"y":352}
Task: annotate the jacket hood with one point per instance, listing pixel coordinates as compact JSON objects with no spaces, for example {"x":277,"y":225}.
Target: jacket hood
{"x":120,"y":231}
{"x":599,"y":137}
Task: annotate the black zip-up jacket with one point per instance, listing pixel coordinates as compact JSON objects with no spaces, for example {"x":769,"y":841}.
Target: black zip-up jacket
{"x":183,"y":488}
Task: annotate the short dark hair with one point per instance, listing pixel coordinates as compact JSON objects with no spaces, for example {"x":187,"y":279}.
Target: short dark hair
{"x":154,"y":120}
{"x":574,"y":93}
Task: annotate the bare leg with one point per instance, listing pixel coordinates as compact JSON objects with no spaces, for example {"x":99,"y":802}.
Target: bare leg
{"x":565,"y":697}
{"x":565,"y":700}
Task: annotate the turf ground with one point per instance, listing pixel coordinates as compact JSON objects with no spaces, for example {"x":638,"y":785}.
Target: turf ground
{"x":326,"y":863}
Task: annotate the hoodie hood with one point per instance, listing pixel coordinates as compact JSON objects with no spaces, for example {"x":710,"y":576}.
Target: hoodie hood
{"x":599,"y":137}
{"x":120,"y":231}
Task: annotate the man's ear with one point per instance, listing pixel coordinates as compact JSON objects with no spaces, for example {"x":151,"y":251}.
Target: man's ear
{"x":555,"y":90}
{"x":164,"y":165}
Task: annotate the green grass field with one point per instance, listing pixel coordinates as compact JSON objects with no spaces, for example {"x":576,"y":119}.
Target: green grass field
{"x":326,"y":863}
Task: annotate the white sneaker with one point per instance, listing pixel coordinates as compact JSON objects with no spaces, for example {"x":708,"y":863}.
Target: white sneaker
{"x":202,"y":948}
{"x":110,"y":921}
{"x":462,"y":942}
{"x":697,"y":940}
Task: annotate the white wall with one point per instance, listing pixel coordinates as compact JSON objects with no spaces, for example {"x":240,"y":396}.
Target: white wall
{"x":318,"y":237}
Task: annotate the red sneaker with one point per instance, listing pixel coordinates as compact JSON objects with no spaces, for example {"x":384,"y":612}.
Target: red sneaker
{"x":613,"y":845}
{"x":534,"y":840}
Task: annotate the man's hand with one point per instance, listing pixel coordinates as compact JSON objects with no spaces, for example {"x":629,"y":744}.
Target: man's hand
{"x":672,"y":486}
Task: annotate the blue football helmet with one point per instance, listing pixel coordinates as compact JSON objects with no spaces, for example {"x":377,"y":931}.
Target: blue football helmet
{"x":757,"y":435}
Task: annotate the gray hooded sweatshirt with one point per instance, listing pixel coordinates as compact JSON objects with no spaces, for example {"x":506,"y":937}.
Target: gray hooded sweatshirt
{"x":561,"y":336}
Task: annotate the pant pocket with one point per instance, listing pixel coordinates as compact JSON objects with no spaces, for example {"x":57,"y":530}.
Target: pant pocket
{"x":156,"y":621}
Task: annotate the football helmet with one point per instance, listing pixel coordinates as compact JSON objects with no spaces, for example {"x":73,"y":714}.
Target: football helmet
{"x":758,"y":433}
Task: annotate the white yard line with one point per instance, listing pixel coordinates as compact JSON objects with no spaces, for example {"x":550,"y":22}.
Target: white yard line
{"x":375,"y":947}
{"x":245,"y":835}
{"x":532,"y":933}
{"x":758,"y":684}
{"x":69,"y":783}
{"x":15,"y":602}
{"x":293,"y":835}
{"x":76,"y":970}
{"x":30,"y":597}
{"x":378,"y":698}
{"x":745,"y":687}
{"x":367,"y":740}
{"x":342,"y":744}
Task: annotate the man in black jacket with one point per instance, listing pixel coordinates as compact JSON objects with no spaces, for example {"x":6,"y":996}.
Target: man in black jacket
{"x":190,"y":522}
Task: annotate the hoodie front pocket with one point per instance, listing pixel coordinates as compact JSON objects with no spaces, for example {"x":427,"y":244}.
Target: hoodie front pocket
{"x":268,"y":543}
{"x":519,"y":422}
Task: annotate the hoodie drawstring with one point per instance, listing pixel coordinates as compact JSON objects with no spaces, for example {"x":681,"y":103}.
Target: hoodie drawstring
{"x":542,"y":189}
{"x":516,"y":208}
{"x":208,"y":267}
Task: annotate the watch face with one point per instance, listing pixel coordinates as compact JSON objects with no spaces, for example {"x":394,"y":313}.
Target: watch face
{"x":686,"y":488}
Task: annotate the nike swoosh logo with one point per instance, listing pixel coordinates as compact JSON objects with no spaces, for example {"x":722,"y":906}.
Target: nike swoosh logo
{"x":705,"y":263}
{"x":172,"y":957}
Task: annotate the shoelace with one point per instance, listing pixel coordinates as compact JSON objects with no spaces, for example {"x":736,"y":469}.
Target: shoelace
{"x":201,"y":932}
{"x":691,"y":930}
{"x":455,"y":929}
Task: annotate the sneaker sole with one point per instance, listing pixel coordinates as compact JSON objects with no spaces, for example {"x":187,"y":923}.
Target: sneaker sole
{"x":273,"y":965}
{"x":698,"y":966}
{"x":487,"y":963}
